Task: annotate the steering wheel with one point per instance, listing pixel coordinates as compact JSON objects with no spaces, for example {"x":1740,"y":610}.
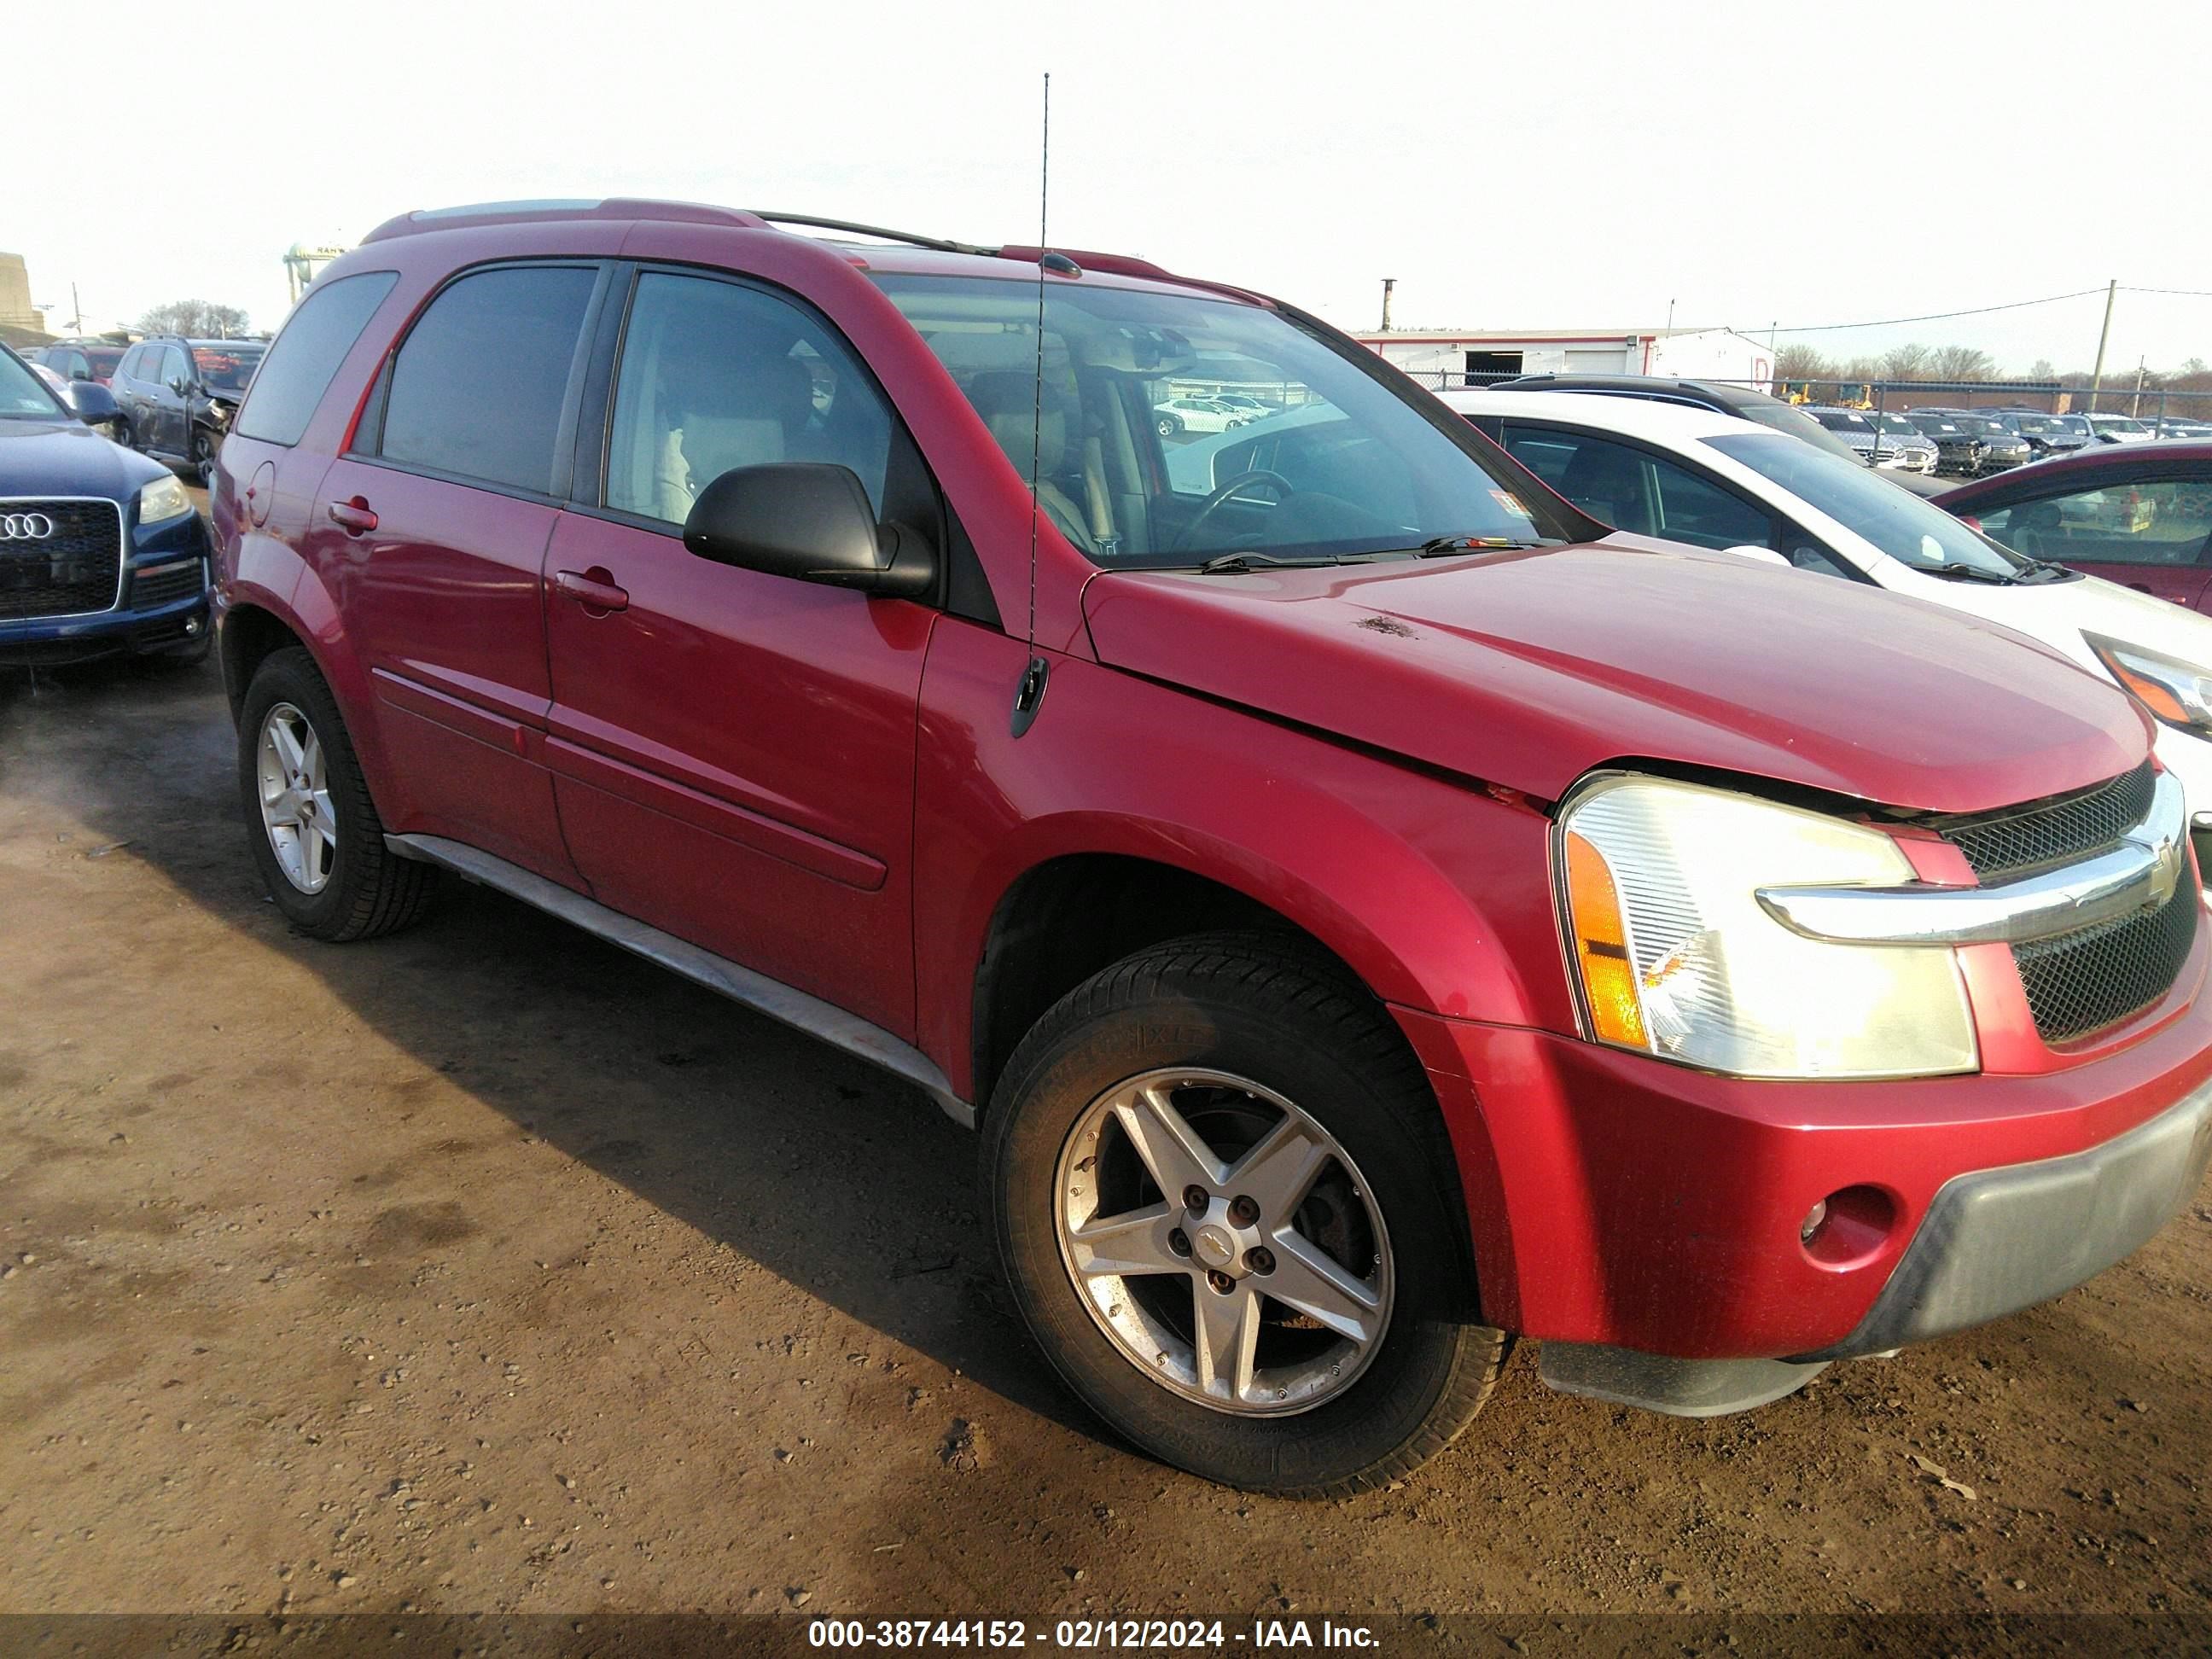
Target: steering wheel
{"x":1213,"y":502}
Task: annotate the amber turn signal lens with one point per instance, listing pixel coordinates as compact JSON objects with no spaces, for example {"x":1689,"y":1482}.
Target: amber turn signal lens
{"x":1601,"y":939}
{"x":2153,"y":695}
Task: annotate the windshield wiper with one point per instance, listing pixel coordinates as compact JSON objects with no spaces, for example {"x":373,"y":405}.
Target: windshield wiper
{"x":1437,"y":547}
{"x":1231,"y":564}
{"x":1967,"y":573}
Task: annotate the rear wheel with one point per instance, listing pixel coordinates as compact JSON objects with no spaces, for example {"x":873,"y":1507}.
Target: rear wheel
{"x":315,"y":833}
{"x":1170,"y":426}
{"x":1215,"y":1169}
{"x":206,"y":444}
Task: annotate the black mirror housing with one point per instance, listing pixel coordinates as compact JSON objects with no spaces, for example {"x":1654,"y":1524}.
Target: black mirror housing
{"x":811,"y":521}
{"x":92,"y":403}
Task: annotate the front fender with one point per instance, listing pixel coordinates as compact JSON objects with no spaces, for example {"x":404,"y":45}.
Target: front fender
{"x":1435,"y":892}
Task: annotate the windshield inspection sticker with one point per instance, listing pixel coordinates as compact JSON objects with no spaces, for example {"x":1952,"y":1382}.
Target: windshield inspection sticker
{"x":1510,"y":502}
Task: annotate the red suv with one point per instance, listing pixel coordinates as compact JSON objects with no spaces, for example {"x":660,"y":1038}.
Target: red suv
{"x":1370,"y":911}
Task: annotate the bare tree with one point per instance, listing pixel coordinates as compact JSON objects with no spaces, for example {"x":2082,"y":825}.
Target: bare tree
{"x":2042,"y":370}
{"x":1960,"y":362}
{"x":195,"y":319}
{"x":1796,"y":362}
{"x":1903,"y":362}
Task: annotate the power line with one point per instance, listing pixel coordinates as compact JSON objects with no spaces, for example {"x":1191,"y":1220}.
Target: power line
{"x":1940,"y":316}
{"x":2199,"y":293}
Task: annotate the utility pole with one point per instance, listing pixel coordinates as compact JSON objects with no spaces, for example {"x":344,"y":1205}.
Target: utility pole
{"x":1389,"y":284}
{"x":77,"y":313}
{"x":2097,"y":374}
{"x":2136,"y":408}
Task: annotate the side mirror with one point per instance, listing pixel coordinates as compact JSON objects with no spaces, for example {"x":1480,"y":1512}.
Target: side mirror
{"x":1764,"y":553}
{"x":92,"y":403}
{"x":811,"y":521}
{"x":180,"y":386}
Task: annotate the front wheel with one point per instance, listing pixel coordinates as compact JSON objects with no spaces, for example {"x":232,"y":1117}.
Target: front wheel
{"x":315,"y":833}
{"x":1170,"y":426}
{"x":1223,"y":1195}
{"x":206,"y":445}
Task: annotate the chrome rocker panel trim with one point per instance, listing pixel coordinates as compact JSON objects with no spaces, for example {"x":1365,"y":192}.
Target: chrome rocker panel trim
{"x":795,"y":1008}
{"x":2140,"y":874}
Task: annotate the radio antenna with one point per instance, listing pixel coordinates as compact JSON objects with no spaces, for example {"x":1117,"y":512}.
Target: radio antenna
{"x":1036,"y":411}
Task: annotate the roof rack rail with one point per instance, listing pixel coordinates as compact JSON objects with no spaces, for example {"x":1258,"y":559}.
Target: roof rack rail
{"x":941,"y":244}
{"x":609,"y":207}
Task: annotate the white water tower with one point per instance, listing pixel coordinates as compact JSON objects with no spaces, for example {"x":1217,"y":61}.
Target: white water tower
{"x":303,"y":261}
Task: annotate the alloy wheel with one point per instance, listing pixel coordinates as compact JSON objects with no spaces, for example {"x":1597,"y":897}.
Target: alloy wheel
{"x":1223,"y":1242}
{"x":295,"y":799}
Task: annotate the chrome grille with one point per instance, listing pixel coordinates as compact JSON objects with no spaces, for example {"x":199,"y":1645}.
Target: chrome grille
{"x":1999,"y":846}
{"x":2083,"y":982}
{"x":75,"y":570}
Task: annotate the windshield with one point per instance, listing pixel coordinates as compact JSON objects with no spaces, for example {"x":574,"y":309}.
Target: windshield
{"x":1976,"y":425}
{"x":226,"y":368}
{"x":1843,"y":420}
{"x":1898,"y":424}
{"x":1138,"y":462}
{"x":22,"y":393}
{"x":1901,"y":525}
{"x":1936,"y":423}
{"x":2033,"y":423}
{"x":2116,"y":423}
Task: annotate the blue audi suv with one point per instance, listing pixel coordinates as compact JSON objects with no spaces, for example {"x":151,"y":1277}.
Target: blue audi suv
{"x":101,"y":551}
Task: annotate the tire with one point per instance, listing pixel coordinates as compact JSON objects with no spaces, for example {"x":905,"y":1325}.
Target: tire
{"x":1169,"y":426}
{"x":205,"y":446}
{"x":355,"y":887}
{"x":1287,"y":1030}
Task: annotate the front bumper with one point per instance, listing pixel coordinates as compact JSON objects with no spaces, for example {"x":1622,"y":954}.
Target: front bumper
{"x":1997,"y":1240}
{"x":1619,"y":1201}
{"x":163,"y":607}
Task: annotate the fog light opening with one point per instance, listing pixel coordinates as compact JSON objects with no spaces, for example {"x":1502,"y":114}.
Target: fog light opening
{"x":1850,"y":1227}
{"x":192,"y":627}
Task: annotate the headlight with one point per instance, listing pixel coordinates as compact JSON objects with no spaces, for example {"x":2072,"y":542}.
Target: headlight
{"x":162,"y":500}
{"x":1675,"y":958}
{"x":2177,"y":692}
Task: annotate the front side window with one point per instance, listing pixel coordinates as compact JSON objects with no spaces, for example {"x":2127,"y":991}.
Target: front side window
{"x":2164,"y":521}
{"x":173,"y":367}
{"x":1632,"y":490}
{"x":306,"y":357}
{"x":716,"y":376}
{"x":1136,"y":461}
{"x":477,"y":388}
{"x":1900,"y":525}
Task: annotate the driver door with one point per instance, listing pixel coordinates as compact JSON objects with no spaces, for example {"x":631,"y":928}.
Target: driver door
{"x":733,"y":752}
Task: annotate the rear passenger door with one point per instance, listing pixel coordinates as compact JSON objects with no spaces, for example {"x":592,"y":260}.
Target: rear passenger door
{"x":431,"y":533}
{"x":733,"y":752}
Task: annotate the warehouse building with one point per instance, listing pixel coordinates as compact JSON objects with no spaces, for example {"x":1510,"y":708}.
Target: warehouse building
{"x":1475,"y":357}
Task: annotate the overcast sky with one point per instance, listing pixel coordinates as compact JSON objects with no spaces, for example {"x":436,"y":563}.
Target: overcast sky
{"x":1572,"y":163}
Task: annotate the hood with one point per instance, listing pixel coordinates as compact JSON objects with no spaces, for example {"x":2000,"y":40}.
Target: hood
{"x":63,"y":457}
{"x":1530,"y":669}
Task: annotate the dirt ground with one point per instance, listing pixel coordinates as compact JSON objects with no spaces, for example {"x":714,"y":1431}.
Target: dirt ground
{"x":484,"y":1267}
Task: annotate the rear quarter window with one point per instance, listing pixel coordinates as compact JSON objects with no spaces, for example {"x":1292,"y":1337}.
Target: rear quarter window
{"x":300,"y":366}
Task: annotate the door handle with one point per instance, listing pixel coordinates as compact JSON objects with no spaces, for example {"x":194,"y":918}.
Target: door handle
{"x":594,"y":589}
{"x":353,"y":517}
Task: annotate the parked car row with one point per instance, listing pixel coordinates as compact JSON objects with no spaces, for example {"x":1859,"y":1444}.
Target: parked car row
{"x":1384,"y":880}
{"x":101,"y":552}
{"x":175,"y":396}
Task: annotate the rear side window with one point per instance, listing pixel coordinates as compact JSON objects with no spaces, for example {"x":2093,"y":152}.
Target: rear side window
{"x":300,"y":367}
{"x":477,"y":388}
